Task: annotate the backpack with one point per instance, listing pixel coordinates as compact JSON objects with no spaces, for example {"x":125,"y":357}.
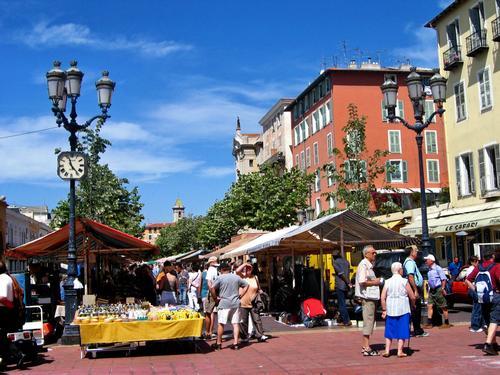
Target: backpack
{"x":484,"y":287}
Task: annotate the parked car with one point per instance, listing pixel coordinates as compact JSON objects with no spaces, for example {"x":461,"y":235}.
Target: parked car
{"x":385,"y":258}
{"x":459,"y":291}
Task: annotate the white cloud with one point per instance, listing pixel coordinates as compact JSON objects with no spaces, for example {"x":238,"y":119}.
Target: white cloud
{"x":217,"y":171}
{"x":423,"y":51}
{"x":44,"y":34}
{"x":31,"y":159}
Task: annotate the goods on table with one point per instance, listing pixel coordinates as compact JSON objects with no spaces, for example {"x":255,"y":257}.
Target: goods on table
{"x":131,"y":312}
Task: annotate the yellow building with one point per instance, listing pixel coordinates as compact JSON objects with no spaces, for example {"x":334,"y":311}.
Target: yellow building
{"x":468,"y":34}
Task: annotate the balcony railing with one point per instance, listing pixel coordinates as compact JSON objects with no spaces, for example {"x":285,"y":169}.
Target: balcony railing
{"x":476,"y":42}
{"x":452,"y":57}
{"x":495,"y":28}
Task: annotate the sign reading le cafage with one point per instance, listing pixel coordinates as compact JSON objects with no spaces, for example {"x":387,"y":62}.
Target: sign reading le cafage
{"x":461,"y":226}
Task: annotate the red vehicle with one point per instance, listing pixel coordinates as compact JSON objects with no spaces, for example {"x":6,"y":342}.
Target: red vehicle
{"x":459,"y":291}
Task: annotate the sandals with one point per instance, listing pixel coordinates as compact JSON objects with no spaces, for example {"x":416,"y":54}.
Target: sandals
{"x":216,"y":346}
{"x":402,"y":355}
{"x":369,"y":352}
{"x":386,"y":355}
{"x":234,"y":347}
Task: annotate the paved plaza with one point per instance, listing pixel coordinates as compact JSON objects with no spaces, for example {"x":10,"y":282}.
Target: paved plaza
{"x":330,"y":351}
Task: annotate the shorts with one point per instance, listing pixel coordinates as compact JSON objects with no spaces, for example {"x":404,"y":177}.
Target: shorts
{"x":209,"y":305}
{"x":495,"y":309}
{"x":369,"y":307}
{"x":232,"y":316}
{"x":436,"y":298}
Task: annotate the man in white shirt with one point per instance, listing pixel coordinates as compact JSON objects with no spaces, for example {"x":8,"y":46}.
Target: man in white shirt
{"x":368,"y":291}
{"x":6,"y":310}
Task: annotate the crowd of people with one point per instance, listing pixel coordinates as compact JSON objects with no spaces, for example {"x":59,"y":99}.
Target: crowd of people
{"x":401,"y":298}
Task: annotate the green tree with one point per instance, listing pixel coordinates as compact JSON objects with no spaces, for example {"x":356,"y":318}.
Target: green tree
{"x":101,"y":195}
{"x":355,"y":176}
{"x":265,"y":200}
{"x":181,"y":237}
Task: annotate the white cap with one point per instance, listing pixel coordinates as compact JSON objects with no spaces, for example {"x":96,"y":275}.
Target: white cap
{"x":430,"y":257}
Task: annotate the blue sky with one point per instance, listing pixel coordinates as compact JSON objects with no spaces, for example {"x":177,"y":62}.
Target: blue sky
{"x":184,"y":70}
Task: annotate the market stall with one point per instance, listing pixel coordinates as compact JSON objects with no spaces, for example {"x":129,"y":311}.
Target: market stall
{"x":123,"y":327}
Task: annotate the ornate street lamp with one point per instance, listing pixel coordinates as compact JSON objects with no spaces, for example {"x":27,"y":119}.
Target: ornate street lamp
{"x":72,"y":165}
{"x":417,"y":96}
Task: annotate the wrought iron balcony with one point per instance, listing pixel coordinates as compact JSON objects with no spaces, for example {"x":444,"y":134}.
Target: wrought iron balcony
{"x":476,"y":42}
{"x":452,"y":57}
{"x":495,"y":28}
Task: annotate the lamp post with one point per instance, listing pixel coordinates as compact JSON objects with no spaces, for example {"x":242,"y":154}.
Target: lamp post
{"x":417,"y":96}
{"x":72,"y":165}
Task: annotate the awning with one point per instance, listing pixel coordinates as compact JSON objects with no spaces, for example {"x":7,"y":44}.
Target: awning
{"x":91,"y":236}
{"x":456,"y":222}
{"x":259,"y":242}
{"x":191,"y":257}
{"x":242,"y":239}
{"x":393,"y":224}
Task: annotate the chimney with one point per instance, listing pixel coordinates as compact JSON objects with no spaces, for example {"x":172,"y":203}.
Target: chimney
{"x":353,"y":65}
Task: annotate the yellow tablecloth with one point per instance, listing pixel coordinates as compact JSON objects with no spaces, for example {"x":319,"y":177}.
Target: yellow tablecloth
{"x":148,"y":330}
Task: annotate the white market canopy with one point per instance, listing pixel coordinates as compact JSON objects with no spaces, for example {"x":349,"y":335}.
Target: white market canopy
{"x":456,"y":220}
{"x":338,"y":229}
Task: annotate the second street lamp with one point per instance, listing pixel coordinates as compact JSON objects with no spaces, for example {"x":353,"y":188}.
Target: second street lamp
{"x":72,"y":165}
{"x":417,"y":96}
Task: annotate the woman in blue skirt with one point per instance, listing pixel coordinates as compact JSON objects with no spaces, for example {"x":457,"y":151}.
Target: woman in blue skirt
{"x":396,"y":298}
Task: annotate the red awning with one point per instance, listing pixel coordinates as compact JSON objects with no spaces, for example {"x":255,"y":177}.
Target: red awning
{"x":94,"y":236}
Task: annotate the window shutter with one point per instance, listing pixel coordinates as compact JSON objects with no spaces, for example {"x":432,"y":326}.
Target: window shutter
{"x":405,"y":171}
{"x":347,"y":171}
{"x":471,"y":174}
{"x":388,"y":171}
{"x":482,"y":171}
{"x":457,"y":170}
{"x":363,"y":171}
{"x":384,"y":112}
{"x":497,"y":163}
{"x":401,"y":109}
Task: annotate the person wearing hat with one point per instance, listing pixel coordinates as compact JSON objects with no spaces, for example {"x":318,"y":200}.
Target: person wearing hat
{"x":209,"y":303}
{"x":416,"y":281}
{"x":437,"y":291}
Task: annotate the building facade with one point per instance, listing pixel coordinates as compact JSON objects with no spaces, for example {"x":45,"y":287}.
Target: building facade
{"x":21,"y":229}
{"x":277,"y":135}
{"x":321,"y":111}
{"x":247,"y":151}
{"x":152,"y":230}
{"x":468,"y":35}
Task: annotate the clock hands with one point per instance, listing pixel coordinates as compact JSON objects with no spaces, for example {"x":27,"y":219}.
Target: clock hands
{"x":71,"y":164}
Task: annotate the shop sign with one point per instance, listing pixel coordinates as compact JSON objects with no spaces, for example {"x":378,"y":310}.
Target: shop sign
{"x":462,"y":226}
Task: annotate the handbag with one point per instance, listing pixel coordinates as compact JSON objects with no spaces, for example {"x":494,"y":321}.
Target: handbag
{"x":261,"y":300}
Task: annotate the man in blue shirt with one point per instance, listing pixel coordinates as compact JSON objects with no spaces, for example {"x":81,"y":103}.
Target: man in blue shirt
{"x":437,"y":291}
{"x":416,"y":281}
{"x":454,"y":268}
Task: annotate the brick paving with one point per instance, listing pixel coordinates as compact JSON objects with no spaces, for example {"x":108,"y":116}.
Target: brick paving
{"x":333,"y":351}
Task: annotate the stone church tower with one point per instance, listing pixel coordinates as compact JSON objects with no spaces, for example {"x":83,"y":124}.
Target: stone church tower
{"x":178,"y":210}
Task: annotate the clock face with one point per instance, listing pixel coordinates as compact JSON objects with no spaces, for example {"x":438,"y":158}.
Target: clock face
{"x":71,"y":165}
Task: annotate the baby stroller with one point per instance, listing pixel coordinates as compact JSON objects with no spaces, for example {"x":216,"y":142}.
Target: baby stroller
{"x":313,"y":312}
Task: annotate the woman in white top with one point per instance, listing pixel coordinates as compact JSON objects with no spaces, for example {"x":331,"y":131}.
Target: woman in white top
{"x":396,"y":298}
{"x":194,"y":286}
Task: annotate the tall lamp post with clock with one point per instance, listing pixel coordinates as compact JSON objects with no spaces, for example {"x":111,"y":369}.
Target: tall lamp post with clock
{"x":72,"y":165}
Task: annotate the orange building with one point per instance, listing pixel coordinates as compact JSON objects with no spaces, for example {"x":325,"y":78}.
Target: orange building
{"x":321,"y":111}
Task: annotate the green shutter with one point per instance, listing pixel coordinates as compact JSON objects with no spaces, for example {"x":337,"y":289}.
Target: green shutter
{"x":347,"y":171}
{"x":384,"y":112}
{"x":482,"y":172}
{"x":388,"y":171}
{"x":471,"y":173}
{"x":405,"y":171}
{"x":457,"y":174}
{"x":401,"y":108}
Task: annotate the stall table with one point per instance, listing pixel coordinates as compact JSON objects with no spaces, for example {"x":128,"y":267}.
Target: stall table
{"x":128,"y":335}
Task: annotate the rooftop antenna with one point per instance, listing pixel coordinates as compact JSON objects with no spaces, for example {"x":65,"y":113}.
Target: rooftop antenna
{"x":344,"y":49}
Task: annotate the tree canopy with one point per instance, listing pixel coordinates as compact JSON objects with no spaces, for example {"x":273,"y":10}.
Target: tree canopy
{"x":354,"y":178}
{"x":181,"y":237}
{"x":101,"y":195}
{"x":265,"y":200}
